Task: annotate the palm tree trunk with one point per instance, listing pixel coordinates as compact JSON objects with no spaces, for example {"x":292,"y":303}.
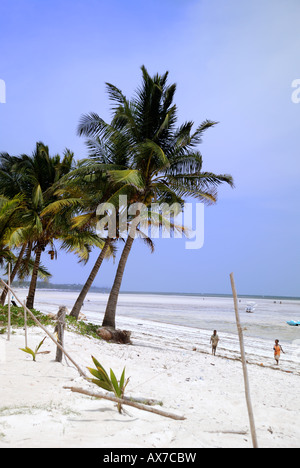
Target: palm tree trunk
{"x":78,"y":304}
{"x":32,"y":288}
{"x":13,"y":274}
{"x":111,"y":307}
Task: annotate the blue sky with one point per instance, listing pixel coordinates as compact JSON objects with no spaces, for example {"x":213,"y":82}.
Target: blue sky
{"x":233,"y":62}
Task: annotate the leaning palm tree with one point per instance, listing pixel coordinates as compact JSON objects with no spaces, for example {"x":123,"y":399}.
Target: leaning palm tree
{"x":165,"y":165}
{"x":86,"y":184}
{"x":94,"y":178}
{"x":92,"y":182}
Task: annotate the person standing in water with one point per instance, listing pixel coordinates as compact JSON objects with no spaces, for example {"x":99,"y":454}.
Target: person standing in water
{"x":277,"y":351}
{"x":214,"y":342}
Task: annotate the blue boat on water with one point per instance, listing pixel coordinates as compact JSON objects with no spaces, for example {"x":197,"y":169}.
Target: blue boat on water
{"x":292,"y":323}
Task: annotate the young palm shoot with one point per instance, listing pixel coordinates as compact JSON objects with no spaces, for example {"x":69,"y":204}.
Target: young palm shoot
{"x":36,"y":351}
{"x":110,"y":384}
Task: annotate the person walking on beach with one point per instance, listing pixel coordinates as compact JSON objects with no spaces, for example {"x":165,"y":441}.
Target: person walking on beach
{"x":214,"y":342}
{"x":277,"y":351}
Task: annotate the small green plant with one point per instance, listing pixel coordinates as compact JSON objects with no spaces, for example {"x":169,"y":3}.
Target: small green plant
{"x":111,"y":384}
{"x":36,"y":352}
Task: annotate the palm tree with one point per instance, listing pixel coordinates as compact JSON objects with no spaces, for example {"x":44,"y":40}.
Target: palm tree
{"x":164,"y":164}
{"x":10,"y":212}
{"x":22,"y":267}
{"x":91,"y":180}
{"x":48,"y":212}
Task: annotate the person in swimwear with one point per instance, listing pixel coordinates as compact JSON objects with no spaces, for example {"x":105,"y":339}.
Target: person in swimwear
{"x":214,"y":342}
{"x":277,"y":351}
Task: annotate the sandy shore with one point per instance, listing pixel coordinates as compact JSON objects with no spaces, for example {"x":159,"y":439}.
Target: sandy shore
{"x":36,"y":411}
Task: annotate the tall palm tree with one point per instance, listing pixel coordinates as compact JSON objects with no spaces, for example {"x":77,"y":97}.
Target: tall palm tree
{"x":92,"y":181}
{"x":94,"y":178}
{"x":86,"y":184}
{"x":164,"y":163}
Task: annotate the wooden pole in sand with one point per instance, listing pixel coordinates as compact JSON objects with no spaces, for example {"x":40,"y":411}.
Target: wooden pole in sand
{"x":245,"y":371}
{"x":25,"y":325}
{"x":60,"y":329}
{"x":9,"y":301}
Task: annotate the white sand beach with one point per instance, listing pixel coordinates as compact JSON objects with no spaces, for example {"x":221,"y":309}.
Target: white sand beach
{"x":36,"y":411}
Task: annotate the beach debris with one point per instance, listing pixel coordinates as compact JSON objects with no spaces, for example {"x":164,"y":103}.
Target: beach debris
{"x":111,"y":384}
{"x":139,"y":406}
{"x":36,"y":351}
{"x":104,"y":334}
{"x":116,"y":336}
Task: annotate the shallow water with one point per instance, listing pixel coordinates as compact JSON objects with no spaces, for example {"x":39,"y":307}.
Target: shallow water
{"x":207,"y":313}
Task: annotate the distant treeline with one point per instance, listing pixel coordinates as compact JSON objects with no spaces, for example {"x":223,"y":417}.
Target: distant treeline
{"x":63,"y":287}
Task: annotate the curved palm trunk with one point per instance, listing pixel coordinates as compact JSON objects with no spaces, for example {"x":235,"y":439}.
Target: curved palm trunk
{"x":13,"y":274}
{"x":32,"y":288}
{"x":111,"y":307}
{"x":78,"y":304}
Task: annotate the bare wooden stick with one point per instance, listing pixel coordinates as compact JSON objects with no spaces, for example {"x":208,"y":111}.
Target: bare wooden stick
{"x":139,"y":406}
{"x":25,"y":322}
{"x":244,"y":362}
{"x":9,"y":302}
{"x":229,"y":432}
{"x":46,"y":331}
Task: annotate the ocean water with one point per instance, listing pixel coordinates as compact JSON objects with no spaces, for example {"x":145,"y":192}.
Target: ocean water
{"x":197,"y":312}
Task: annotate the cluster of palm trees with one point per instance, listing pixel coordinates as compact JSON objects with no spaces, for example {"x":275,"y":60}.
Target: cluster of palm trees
{"x":141,"y":154}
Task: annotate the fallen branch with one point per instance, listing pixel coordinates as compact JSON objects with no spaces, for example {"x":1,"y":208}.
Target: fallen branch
{"x":126,"y":402}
